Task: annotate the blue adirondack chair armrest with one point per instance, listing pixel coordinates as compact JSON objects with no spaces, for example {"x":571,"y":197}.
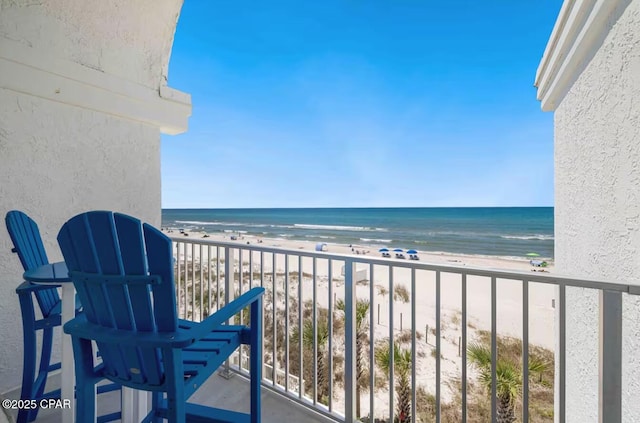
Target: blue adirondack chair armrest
{"x":82,"y":328}
{"x":32,"y":287}
{"x":217,"y":319}
{"x":28,"y":287}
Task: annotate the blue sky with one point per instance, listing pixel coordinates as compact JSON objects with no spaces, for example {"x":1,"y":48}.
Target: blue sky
{"x":360,"y":104}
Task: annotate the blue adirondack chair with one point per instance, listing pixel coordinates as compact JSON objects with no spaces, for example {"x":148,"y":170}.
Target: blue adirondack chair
{"x":27,"y":243}
{"x":123,"y":272}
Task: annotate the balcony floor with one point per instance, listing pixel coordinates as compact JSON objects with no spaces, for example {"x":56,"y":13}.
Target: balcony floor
{"x":232,"y":394}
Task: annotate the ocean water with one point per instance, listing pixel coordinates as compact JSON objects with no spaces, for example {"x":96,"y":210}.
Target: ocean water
{"x":486,"y":231}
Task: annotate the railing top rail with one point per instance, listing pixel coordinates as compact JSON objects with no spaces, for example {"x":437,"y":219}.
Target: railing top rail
{"x":553,"y":279}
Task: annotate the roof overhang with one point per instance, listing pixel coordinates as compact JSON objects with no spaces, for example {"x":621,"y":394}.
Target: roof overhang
{"x":577,"y":35}
{"x":35,"y":72}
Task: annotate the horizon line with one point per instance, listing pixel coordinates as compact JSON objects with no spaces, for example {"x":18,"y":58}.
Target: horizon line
{"x":359,"y":207}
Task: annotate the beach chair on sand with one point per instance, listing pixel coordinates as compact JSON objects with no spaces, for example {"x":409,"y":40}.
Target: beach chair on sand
{"x":538,"y":265}
{"x":123,"y":272}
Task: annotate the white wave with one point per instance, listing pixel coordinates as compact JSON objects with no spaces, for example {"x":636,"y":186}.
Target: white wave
{"x":197,"y":222}
{"x":335,"y":227}
{"x":375,"y":240}
{"x":527,"y":237}
{"x":320,"y":236}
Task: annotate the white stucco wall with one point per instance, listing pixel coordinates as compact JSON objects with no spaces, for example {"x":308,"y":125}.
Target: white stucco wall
{"x":130,"y":39}
{"x":597,"y":208}
{"x":84,"y":132}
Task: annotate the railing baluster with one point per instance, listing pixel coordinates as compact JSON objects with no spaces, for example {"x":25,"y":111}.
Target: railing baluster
{"x":413,"y":345}
{"x":300,"y":330}
{"x":209,"y":280}
{"x":217,"y":278}
{"x":330,"y":324}
{"x":525,"y":351}
{"x":240,"y":275}
{"x":372,"y":342}
{"x":262,"y":269}
{"x":193,"y":281}
{"x":274,"y":369}
{"x":561,"y":389}
{"x":349,"y":341}
{"x":201,"y":283}
{"x":391,"y":349}
{"x":314,"y":323}
{"x":240,"y":286}
{"x":186,"y":270}
{"x":262,"y":322}
{"x":286,"y":322}
{"x":179,"y":276}
{"x":494,"y":351}
{"x":228,"y":271}
{"x":250,"y":269}
{"x":463,"y":348}
{"x":438,"y":347}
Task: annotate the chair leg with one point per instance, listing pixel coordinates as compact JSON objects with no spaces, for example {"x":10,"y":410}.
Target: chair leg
{"x":256,"y":359}
{"x":29,"y":362}
{"x":157,"y":402}
{"x":85,"y":380}
{"x":37,"y":389}
{"x":43,"y":371}
{"x":176,"y":412}
{"x":176,"y":408}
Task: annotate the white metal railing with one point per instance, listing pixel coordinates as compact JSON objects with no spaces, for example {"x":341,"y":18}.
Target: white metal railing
{"x":317,"y":339}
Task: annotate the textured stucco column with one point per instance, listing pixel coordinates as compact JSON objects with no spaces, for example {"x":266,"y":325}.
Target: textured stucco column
{"x":83,"y":100}
{"x":597,"y":185}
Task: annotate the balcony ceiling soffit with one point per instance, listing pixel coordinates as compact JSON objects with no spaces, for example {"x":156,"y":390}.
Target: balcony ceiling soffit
{"x":29,"y":71}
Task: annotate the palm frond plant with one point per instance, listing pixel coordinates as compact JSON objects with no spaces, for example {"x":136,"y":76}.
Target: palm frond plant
{"x":508,"y":377}
{"x":321,"y":340}
{"x":402,"y":369}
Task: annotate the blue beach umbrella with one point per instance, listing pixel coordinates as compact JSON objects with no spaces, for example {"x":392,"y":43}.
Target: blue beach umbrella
{"x":383,"y":250}
{"x":398,"y":250}
{"x":412,"y":252}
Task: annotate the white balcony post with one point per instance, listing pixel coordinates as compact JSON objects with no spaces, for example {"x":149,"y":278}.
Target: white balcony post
{"x":610,"y":358}
{"x":225,"y":371}
{"x":350,"y":342}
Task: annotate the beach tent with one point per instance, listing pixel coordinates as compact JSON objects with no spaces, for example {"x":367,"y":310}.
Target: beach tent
{"x":321,"y":246}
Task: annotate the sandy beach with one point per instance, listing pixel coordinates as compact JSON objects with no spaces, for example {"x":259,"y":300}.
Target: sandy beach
{"x":509,"y":300}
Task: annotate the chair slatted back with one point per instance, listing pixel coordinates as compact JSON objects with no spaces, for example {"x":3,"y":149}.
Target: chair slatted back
{"x":27,"y":243}
{"x":122,"y":271}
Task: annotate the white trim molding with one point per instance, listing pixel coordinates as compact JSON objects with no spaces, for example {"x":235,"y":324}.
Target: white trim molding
{"x":30,"y":71}
{"x":578,"y":33}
